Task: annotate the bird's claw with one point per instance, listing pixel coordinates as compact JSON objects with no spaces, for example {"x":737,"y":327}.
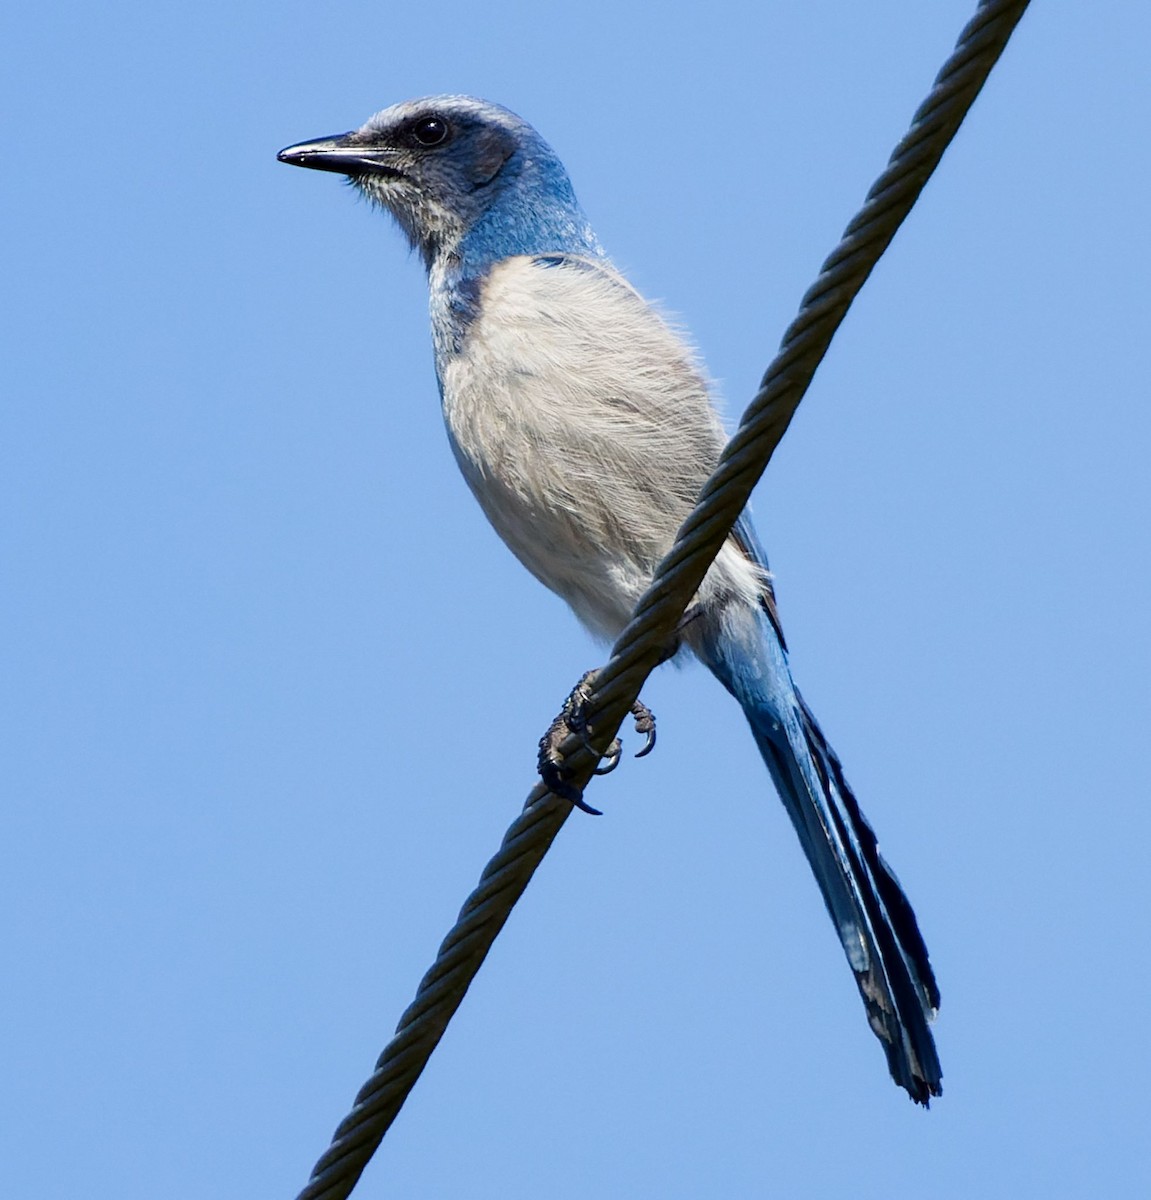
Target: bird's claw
{"x":611,"y":756}
{"x":551,"y":772}
{"x":573,"y":719}
{"x":644,"y":723}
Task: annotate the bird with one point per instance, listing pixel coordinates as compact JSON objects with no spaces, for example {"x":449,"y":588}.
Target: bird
{"x":584,"y":424}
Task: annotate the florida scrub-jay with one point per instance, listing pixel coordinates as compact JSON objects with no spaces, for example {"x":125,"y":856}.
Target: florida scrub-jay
{"x":583,"y":425}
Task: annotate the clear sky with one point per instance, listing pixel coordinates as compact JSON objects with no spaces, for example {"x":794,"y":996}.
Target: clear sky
{"x":273,"y":688}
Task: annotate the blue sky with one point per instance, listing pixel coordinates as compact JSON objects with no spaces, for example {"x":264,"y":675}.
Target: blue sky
{"x":272,"y":688}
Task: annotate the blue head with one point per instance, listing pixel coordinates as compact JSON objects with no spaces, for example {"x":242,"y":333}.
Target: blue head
{"x":469,"y":182}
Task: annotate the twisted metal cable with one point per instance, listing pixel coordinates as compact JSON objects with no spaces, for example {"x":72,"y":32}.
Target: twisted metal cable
{"x":643,"y":643}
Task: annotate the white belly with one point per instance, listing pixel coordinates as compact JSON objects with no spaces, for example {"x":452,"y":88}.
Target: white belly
{"x":584,"y":428}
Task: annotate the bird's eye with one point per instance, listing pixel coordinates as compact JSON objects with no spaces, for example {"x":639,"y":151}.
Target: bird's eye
{"x":430,"y":131}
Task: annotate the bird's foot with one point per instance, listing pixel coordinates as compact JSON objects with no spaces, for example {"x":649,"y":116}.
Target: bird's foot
{"x":573,"y":718}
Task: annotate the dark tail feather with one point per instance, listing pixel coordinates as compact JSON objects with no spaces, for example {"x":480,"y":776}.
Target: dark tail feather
{"x":873,"y":917}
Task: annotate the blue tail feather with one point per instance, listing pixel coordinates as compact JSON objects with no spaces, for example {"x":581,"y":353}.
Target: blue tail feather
{"x":871,"y":913}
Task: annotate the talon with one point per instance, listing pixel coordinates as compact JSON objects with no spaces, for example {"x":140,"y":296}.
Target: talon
{"x":553,"y":779}
{"x":611,"y":757}
{"x":577,"y":799}
{"x":645,"y":724}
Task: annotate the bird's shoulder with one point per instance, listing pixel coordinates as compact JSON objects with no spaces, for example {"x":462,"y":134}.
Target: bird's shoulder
{"x":558,"y":286}
{"x":572,"y":309}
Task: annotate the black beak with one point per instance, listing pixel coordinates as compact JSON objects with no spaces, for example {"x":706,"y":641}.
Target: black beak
{"x":341,"y":154}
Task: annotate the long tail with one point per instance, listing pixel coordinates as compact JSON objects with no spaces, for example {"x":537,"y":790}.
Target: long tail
{"x":873,"y":917}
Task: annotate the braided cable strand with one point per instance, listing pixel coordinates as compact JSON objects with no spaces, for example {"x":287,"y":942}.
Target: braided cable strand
{"x":643,"y":643}
{"x":804,"y":344}
{"x":440,"y":993}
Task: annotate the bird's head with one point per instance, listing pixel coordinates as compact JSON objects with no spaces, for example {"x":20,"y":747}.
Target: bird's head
{"x":463,"y":178}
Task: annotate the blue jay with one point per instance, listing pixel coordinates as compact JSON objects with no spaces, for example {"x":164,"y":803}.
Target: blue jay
{"x":582,"y":423}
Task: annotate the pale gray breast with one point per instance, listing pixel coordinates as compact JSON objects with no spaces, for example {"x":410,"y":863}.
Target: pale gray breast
{"x":582,"y":424}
